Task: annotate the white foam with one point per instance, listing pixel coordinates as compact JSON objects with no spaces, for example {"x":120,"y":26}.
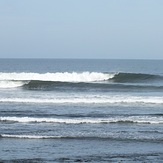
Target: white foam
{"x":87,"y":99}
{"x":11,"y":84}
{"x":49,"y":120}
{"x":115,"y":135}
{"x":58,"y":76}
{"x":131,"y":119}
{"x":29,"y":136}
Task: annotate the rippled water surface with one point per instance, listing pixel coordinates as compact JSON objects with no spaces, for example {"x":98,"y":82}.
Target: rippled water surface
{"x":81,"y":110}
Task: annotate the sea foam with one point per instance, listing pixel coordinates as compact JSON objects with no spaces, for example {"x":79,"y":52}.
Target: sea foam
{"x":58,"y":76}
{"x":11,"y":84}
{"x":129,"y":119}
{"x":86,"y":99}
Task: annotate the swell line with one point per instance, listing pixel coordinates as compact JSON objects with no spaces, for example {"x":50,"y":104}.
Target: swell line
{"x":82,"y":86}
{"x":135,"y":77}
{"x":87,"y":99}
{"x":82,"y":81}
{"x":131,"y":119}
{"x":107,"y":137}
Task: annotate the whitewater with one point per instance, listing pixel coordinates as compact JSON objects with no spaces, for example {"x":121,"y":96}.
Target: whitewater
{"x":91,"y":99}
{"x":125,"y":119}
{"x":58,"y":76}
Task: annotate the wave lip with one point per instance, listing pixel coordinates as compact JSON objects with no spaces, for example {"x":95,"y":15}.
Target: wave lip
{"x":79,"y":77}
{"x":11,"y":84}
{"x":135,"y":77}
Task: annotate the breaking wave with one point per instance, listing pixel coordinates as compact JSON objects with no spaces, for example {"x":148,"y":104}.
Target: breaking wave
{"x":130,"y":119}
{"x":135,"y":77}
{"x":53,"y":81}
{"x":58,"y":76}
{"x":117,"y":137}
{"x":105,"y":86}
{"x":11,"y":84}
{"x":87,"y":99}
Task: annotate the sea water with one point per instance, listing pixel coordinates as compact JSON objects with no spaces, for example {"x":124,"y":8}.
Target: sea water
{"x":67,"y":110}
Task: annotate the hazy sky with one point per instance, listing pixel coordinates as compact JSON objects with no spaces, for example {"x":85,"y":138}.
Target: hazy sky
{"x":81,"y":29}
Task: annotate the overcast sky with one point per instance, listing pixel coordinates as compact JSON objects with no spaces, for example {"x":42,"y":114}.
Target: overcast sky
{"x":119,"y":29}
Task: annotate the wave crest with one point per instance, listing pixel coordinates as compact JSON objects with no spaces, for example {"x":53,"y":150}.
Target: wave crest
{"x":130,"y":119}
{"x":88,"y":99}
{"x":58,"y":76}
{"x":11,"y":84}
{"x":134,"y":77}
{"x":51,"y":81}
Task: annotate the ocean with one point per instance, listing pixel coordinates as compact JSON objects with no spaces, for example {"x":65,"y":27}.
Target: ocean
{"x":81,"y":110}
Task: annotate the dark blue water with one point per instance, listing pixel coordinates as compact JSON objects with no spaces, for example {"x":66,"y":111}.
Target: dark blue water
{"x":81,"y":110}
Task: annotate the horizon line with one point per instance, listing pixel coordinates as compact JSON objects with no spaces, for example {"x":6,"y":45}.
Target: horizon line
{"x":86,"y":58}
